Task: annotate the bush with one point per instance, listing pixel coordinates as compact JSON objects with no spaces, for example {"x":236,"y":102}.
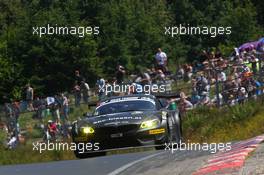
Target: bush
{"x":225,"y":124}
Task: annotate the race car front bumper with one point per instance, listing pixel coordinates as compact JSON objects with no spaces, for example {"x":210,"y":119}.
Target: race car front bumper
{"x":124,"y":136}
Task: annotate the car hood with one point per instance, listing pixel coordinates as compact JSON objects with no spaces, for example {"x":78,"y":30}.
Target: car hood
{"x":124,"y":118}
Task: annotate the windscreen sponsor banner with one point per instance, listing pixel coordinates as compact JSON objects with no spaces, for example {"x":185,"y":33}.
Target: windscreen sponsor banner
{"x":118,"y":118}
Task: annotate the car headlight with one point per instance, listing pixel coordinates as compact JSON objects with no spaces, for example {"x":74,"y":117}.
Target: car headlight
{"x":87,"y":130}
{"x":149,"y":124}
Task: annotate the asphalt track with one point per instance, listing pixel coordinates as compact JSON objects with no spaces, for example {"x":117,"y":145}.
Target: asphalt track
{"x":91,"y":166}
{"x":183,"y":162}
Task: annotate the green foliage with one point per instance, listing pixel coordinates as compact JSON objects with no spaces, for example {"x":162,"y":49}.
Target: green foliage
{"x":25,"y":154}
{"x":227,"y":124}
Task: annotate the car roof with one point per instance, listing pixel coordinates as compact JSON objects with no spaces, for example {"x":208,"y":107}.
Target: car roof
{"x":127,"y":98}
{"x":139,"y":96}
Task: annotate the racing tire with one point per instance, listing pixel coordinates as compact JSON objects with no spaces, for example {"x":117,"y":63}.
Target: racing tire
{"x":174,"y":131}
{"x":88,"y":155}
{"x":175,"y":128}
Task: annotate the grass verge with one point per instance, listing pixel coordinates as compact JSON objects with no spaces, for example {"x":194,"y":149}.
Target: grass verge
{"x":209,"y":125}
{"x":226,"y":124}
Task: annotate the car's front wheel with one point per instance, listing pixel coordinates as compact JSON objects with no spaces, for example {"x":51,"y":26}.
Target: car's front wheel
{"x":174,"y":131}
{"x":88,"y":155}
{"x":174,"y":128}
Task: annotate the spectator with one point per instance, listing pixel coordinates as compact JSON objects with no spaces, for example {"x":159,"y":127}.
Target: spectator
{"x":78,"y":77}
{"x":16,"y":110}
{"x":202,"y":84}
{"x":197,"y":66}
{"x":55,"y":109}
{"x":195,"y":98}
{"x":101,"y":87}
{"x":52,"y":130}
{"x":109,"y":91}
{"x":237,"y":80}
{"x":258,"y":85}
{"x":143,"y":78}
{"x":188,"y":71}
{"x":64,"y":108}
{"x":205,"y":99}
{"x":160,"y":77}
{"x":161,"y":60}
{"x":120,"y":74}
{"x":246,"y":69}
{"x":184,"y":105}
{"x":29,"y":97}
{"x":11,"y":122}
{"x":251,"y":87}
{"x":214,"y":101}
{"x":222,"y":63}
{"x":85,"y":89}
{"x":229,"y":84}
{"x":13,"y":141}
{"x":242,"y":95}
{"x":231,"y":100}
{"x":77,"y":94}
{"x":180,"y":73}
{"x":253,"y":60}
{"x":135,"y":88}
{"x":39,"y":105}
{"x":221,"y":76}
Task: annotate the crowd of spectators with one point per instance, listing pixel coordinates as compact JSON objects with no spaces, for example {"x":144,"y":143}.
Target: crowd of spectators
{"x":57,"y":106}
{"x":218,"y":81}
{"x":215,"y":81}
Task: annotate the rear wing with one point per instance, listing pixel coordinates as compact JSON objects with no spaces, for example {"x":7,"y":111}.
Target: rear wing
{"x":168,"y":95}
{"x":171,"y":95}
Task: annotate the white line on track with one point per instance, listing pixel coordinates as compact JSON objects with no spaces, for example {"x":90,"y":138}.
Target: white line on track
{"x":124,"y":167}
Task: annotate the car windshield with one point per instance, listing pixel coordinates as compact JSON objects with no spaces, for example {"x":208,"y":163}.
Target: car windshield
{"x":125,"y":106}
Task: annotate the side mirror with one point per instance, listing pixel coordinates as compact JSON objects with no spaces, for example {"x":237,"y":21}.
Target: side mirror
{"x":172,"y":106}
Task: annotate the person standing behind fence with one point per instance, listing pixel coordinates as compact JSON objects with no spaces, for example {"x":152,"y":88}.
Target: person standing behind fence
{"x":85,"y":89}
{"x":242,"y":95}
{"x":9,"y":116}
{"x":16,"y":110}
{"x":253,"y":60}
{"x":101,"y":87}
{"x":143,"y":78}
{"x":202,"y":84}
{"x":37,"y":107}
{"x":188,"y":72}
{"x":78,"y":77}
{"x":161,"y":60}
{"x":184,"y":105}
{"x":29,"y":97}
{"x":120,"y":74}
{"x":221,"y":76}
{"x":55,"y":112}
{"x":64,"y":107}
{"x":77,"y":94}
